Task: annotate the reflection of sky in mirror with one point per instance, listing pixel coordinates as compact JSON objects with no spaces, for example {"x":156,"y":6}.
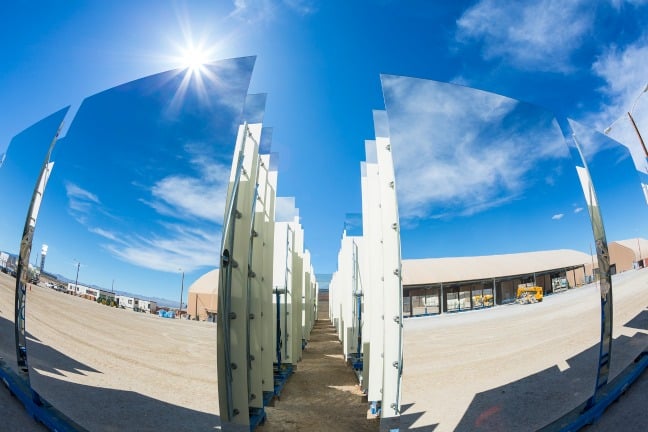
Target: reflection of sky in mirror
{"x":479,"y":174}
{"x":353,"y":224}
{"x":254,"y":108}
{"x":138,"y":189}
{"x":19,"y":174}
{"x":265,"y":146}
{"x":617,"y":184}
{"x":285,"y":210}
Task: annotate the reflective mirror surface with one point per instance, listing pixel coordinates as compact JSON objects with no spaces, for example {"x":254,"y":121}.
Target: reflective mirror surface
{"x":495,"y":238}
{"x":624,"y":213}
{"x":130,"y":222}
{"x":19,"y":176}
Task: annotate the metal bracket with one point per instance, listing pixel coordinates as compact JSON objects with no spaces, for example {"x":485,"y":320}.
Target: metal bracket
{"x":395,"y":408}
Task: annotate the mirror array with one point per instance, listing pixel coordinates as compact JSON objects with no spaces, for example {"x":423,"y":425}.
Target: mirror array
{"x":131,"y":221}
{"x":495,"y":278}
{"x":507,"y":272}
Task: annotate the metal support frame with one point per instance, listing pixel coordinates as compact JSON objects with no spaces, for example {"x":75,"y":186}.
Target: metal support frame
{"x":238,"y":391}
{"x":20,"y":299}
{"x":393,"y":291}
{"x":605,"y":282}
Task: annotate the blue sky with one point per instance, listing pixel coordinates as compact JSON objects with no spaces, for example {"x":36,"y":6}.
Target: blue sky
{"x":320,"y":64}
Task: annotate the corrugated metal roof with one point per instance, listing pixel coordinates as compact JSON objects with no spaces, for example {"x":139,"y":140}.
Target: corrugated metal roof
{"x":206,"y":284}
{"x":437,"y":270}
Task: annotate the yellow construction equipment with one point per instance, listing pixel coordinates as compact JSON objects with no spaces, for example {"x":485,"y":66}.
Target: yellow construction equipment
{"x":527,"y":293}
{"x":485,"y":300}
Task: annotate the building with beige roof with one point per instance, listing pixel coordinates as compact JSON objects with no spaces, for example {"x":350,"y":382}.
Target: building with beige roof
{"x":202,"y":303}
{"x":437,"y":285}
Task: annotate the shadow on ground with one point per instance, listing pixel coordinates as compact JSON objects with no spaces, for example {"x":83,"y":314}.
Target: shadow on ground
{"x":535,"y":401}
{"x":96,"y":408}
{"x":48,"y":359}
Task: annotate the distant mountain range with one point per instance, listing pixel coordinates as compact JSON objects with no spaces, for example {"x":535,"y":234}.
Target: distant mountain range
{"x":158,"y":300}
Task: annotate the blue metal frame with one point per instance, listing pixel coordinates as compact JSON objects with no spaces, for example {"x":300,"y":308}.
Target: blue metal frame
{"x":257,"y":418}
{"x":589,"y":412}
{"x":281,"y":375}
{"x":37,"y":407}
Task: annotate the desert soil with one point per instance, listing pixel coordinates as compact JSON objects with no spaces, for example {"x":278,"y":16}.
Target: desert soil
{"x":507,"y":368}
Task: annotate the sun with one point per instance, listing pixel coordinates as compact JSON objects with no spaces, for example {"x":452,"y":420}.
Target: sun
{"x":193,"y":58}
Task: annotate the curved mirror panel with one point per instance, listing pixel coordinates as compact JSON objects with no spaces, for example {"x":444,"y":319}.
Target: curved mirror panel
{"x":129,"y":231}
{"x":624,"y":211}
{"x":502,"y":317}
{"x":19,"y":176}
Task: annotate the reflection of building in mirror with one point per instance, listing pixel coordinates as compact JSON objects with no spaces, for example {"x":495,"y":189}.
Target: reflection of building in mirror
{"x":437,"y":285}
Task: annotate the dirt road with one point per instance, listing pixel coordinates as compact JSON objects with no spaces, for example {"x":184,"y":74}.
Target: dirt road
{"x":323,"y":395}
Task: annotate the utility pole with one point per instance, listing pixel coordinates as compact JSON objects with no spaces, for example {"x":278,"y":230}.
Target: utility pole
{"x":181,"y":292}
{"x":76,"y":282}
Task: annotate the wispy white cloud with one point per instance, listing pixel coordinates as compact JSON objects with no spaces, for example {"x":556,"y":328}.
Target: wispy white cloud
{"x":181,"y":247}
{"x":578,"y":209}
{"x":195,"y":202}
{"x":200,"y":196}
{"x":80,"y":202}
{"x":105,"y":234}
{"x":454,"y":153}
{"x":253,"y":11}
{"x":183,"y":229}
{"x":185,"y":196}
{"x":285,"y":210}
{"x":557,"y":216}
{"x":303,"y":7}
{"x":538,"y":35}
{"x":624,"y":71}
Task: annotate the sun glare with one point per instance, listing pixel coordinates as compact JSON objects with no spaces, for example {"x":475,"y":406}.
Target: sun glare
{"x":194,"y":59}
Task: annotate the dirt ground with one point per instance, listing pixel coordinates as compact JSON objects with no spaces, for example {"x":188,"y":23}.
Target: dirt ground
{"x":113,"y":370}
{"x":507,"y":368}
{"x":323,"y":394}
{"x":516,"y":367}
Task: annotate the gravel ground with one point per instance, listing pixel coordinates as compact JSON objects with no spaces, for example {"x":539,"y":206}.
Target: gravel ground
{"x":507,"y":368}
{"x":113,"y":369}
{"x":516,"y":367}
